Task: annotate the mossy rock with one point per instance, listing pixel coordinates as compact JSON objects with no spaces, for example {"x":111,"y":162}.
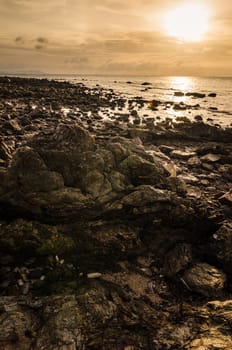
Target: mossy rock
{"x":27,"y":238}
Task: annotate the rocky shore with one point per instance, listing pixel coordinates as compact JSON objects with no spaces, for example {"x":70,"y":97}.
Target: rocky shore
{"x":115,"y":228}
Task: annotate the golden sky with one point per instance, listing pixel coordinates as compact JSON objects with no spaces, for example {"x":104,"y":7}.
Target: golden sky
{"x":110,"y":37}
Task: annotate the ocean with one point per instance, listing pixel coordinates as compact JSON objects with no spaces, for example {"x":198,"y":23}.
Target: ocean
{"x":216,"y":110}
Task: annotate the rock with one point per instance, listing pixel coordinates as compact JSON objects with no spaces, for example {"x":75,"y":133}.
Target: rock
{"x":212,"y":94}
{"x":182,"y":154}
{"x":188,"y":178}
{"x":194,"y":161}
{"x":207,"y":166}
{"x":226,"y":171}
{"x":143,"y":195}
{"x":146,"y":83}
{"x":166,"y":149}
{"x":12,"y":125}
{"x":211,"y":158}
{"x":96,"y":184}
{"x":205,"y":279}
{"x":77,"y":212}
{"x":198,"y":118}
{"x":193,"y":191}
{"x":179,"y":93}
{"x":195,"y":94}
{"x":221,"y":245}
{"x":154,"y":104}
{"x":179,"y":106}
{"x":134,"y":113}
{"x":177,"y":259}
{"x":5,"y":152}
{"x":141,"y":171}
{"x":94,"y":275}
{"x":71,"y":321}
{"x":29,"y":239}
{"x":68,"y":137}
{"x":226,"y":198}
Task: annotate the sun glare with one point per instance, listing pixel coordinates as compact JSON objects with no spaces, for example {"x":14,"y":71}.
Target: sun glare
{"x":188,"y":22}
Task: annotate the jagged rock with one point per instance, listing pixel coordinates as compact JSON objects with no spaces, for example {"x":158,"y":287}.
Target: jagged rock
{"x":86,"y":320}
{"x":226,"y":198}
{"x":210,"y":329}
{"x":226,"y":171}
{"x":221,"y":245}
{"x":91,"y":207}
{"x":144,"y":195}
{"x":141,"y":171}
{"x":5,"y":152}
{"x":31,"y":239}
{"x":177,"y":259}
{"x":205,"y":279}
{"x":68,"y":137}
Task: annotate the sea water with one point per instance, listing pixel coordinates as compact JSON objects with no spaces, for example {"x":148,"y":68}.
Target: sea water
{"x":216,"y":110}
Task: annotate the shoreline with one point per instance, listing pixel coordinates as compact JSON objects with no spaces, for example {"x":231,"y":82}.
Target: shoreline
{"x":121,"y":225}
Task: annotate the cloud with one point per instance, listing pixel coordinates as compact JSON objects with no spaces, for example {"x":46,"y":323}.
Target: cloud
{"x":19,"y":40}
{"x":42,"y":40}
{"x":39,"y":47}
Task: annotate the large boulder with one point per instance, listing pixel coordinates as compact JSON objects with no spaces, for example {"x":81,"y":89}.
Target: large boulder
{"x":62,"y":172}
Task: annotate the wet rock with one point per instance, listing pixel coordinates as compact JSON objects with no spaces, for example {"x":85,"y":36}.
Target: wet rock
{"x":179,"y":93}
{"x":146,"y":83}
{"x":154,"y":104}
{"x":195,"y":94}
{"x":179,"y":106}
{"x":198,"y":118}
{"x":205,"y":279}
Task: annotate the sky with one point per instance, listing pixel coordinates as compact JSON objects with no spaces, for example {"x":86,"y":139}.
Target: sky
{"x":110,"y":37}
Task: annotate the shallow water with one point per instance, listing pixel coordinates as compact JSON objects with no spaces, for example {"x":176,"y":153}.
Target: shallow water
{"x":212,"y":109}
{"x":163,"y":88}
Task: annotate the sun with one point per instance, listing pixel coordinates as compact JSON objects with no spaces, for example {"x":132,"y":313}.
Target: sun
{"x":188,"y":22}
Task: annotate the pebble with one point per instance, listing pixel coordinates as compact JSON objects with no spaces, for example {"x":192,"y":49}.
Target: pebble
{"x":94,"y":275}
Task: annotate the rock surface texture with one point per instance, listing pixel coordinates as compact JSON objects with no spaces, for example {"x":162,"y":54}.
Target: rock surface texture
{"x":113,"y":235}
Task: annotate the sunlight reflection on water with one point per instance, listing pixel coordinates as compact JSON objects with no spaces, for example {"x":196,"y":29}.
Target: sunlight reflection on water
{"x":182,"y":83}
